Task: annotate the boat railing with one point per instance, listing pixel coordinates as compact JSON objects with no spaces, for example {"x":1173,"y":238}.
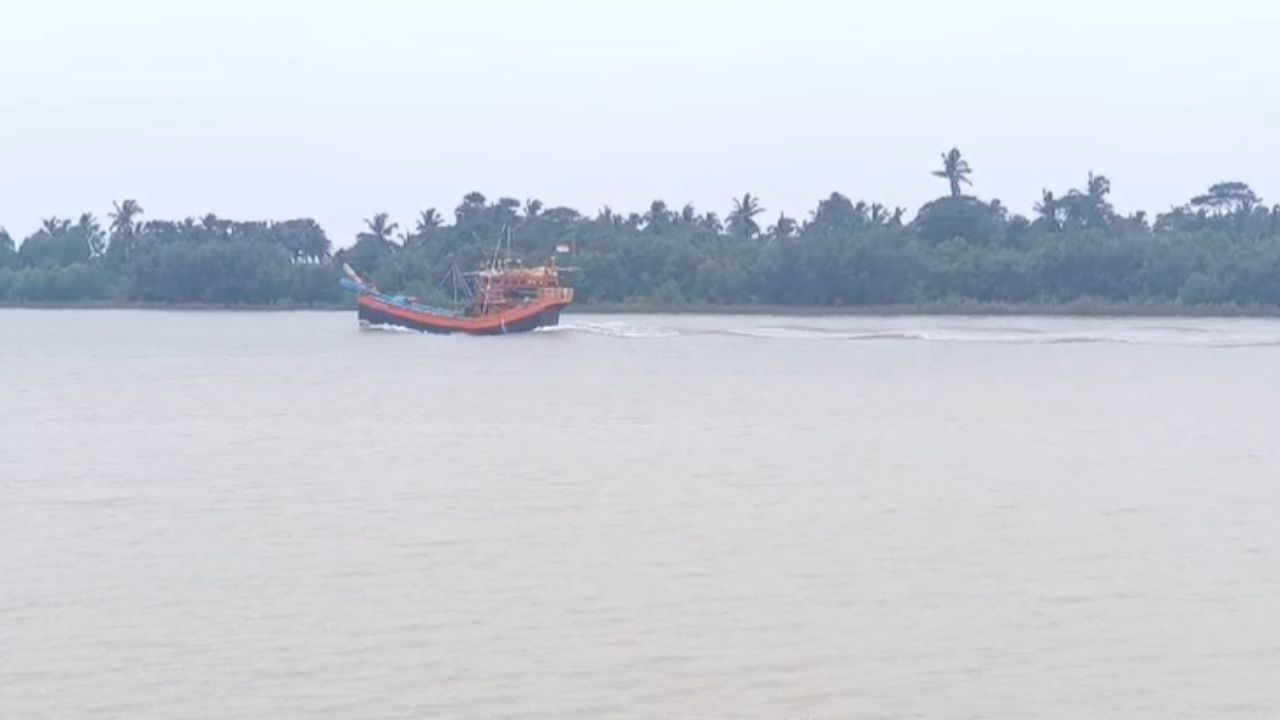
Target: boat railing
{"x":564,"y":294}
{"x":407,"y":303}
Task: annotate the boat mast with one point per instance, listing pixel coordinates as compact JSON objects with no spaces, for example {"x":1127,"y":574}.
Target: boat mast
{"x":497,"y":250}
{"x":500,"y":260}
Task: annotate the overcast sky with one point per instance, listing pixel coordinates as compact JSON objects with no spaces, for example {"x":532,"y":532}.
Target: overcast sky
{"x":337,"y":110}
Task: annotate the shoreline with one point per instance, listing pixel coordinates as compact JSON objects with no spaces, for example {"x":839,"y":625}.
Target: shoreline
{"x":178,"y":307}
{"x":1077,"y":309}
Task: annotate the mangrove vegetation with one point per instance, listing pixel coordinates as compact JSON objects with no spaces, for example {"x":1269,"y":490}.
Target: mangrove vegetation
{"x":1220,"y":249}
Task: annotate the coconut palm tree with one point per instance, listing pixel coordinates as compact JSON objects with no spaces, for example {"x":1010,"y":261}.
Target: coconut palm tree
{"x":124,"y":228}
{"x":54,"y":226}
{"x":1048,"y":209}
{"x":1098,"y":188}
{"x":379,"y":228}
{"x":955,"y":169}
{"x":429,"y":219}
{"x":711,"y":223}
{"x":1086,"y":208}
{"x":741,"y":222}
{"x":122,"y":218}
{"x":784,"y":229}
{"x":1097,"y":210}
{"x":91,"y":231}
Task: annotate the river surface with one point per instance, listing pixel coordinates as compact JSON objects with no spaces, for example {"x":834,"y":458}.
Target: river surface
{"x":260,"y":515}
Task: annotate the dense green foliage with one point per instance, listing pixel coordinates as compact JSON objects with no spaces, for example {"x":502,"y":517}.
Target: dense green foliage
{"x":206,"y":261}
{"x":1220,"y":249}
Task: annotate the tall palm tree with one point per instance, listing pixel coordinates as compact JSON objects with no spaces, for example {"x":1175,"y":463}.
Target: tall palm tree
{"x":1099,"y":187}
{"x":54,"y":226}
{"x":379,"y":228}
{"x":122,"y":218}
{"x":1098,"y":211}
{"x":429,"y":219}
{"x":784,"y":229}
{"x":741,"y":222}
{"x":88,"y":223}
{"x":861,"y":212}
{"x":955,"y":169}
{"x":532,"y":207}
{"x":710,"y":222}
{"x":1048,"y":209}
{"x":91,"y":231}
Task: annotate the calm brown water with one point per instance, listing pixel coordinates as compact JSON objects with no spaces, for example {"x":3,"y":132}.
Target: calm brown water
{"x":278,"y":515}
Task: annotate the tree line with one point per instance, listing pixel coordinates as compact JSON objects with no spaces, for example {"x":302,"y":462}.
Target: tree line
{"x":1219,"y":249}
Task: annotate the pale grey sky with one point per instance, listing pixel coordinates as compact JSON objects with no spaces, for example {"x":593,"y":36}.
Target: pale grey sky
{"x":337,"y":110}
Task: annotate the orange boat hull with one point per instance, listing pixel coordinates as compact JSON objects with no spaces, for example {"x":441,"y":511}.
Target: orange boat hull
{"x":539,"y":313}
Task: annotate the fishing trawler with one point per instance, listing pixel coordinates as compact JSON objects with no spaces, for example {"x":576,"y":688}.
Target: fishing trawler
{"x":505,"y":297}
